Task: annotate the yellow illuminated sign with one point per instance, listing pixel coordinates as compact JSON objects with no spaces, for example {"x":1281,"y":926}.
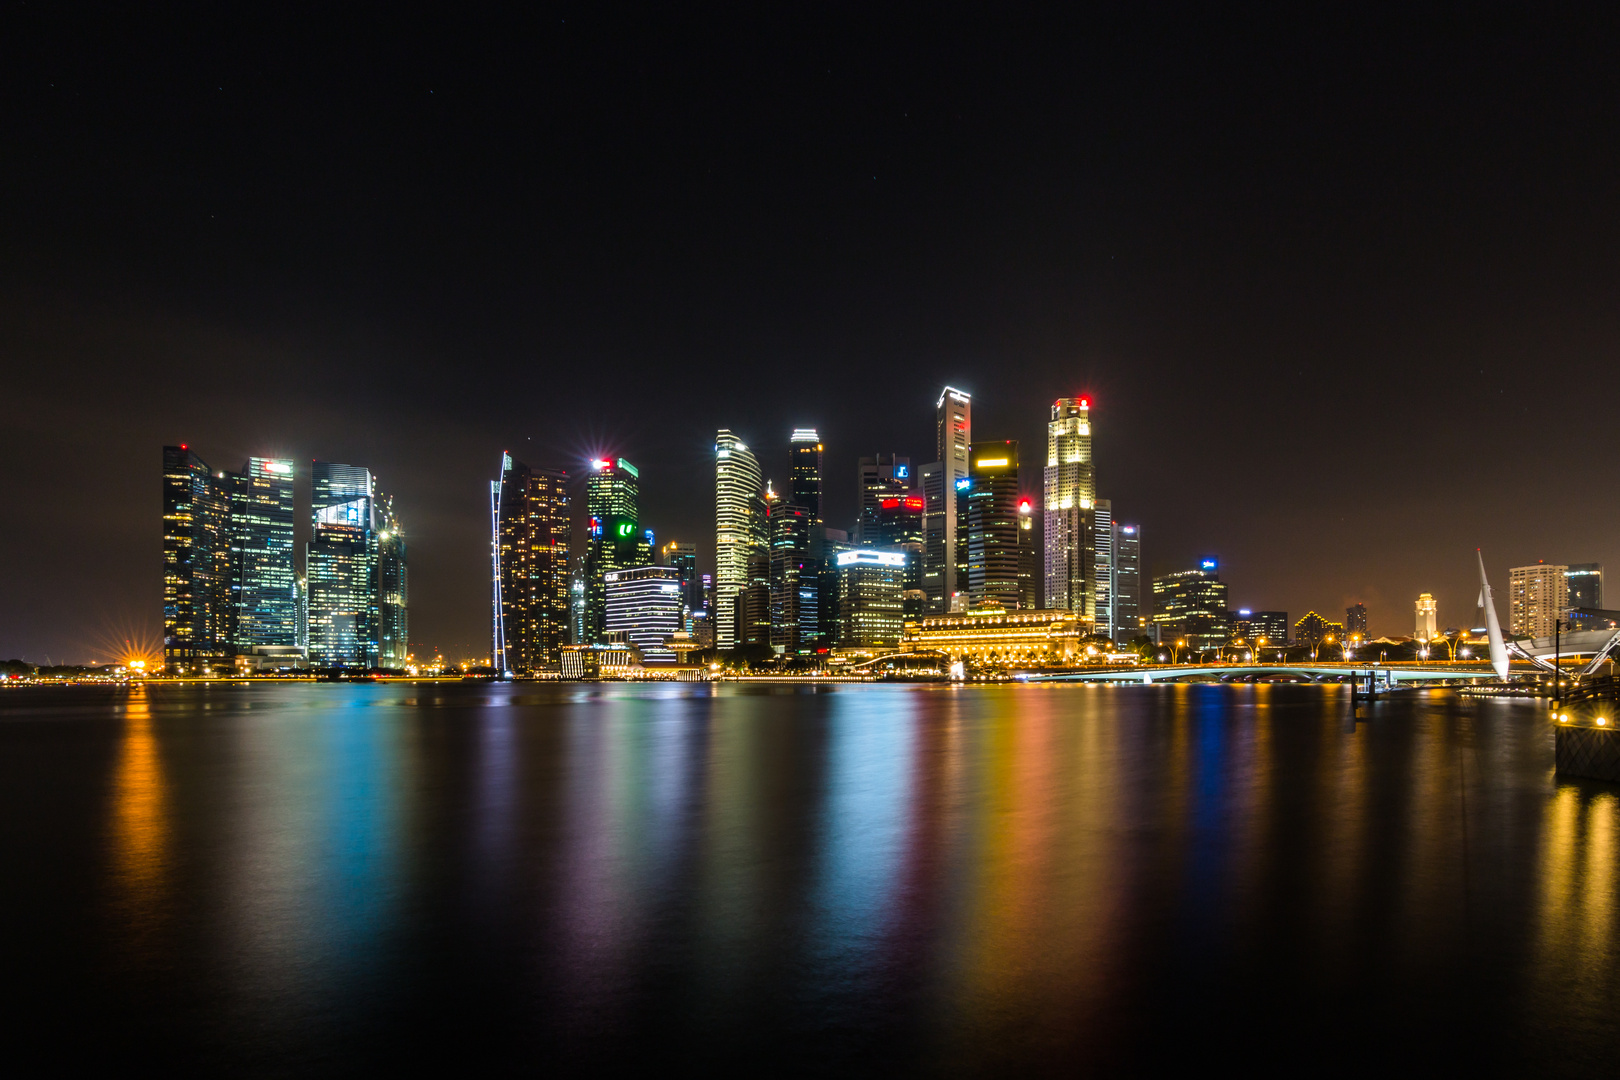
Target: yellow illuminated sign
{"x":992,"y":463}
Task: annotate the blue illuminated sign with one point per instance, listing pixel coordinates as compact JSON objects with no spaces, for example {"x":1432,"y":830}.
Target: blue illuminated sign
{"x":1208,"y":564}
{"x":902,"y":471}
{"x":964,"y":483}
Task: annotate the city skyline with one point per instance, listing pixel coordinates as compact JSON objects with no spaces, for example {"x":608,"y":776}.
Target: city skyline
{"x":1306,"y":333}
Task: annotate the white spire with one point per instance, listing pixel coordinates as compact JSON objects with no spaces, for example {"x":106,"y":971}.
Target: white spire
{"x":1493,"y":629}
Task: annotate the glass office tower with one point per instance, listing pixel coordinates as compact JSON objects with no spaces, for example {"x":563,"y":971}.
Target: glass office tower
{"x":393,"y":623}
{"x":341,"y":567}
{"x":1128,"y":621}
{"x":739,"y":529}
{"x":791,"y":569}
{"x":804,"y":468}
{"x":530,"y":521}
{"x":942,"y":527}
{"x":614,"y":537}
{"x":879,"y":478}
{"x":992,"y":525}
{"x":196,"y":564}
{"x":264,"y":585}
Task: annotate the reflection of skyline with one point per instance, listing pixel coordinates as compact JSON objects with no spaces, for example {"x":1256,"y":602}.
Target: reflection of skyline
{"x":973,"y":868}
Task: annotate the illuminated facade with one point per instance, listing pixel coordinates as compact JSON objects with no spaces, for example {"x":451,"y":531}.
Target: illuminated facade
{"x":739,"y":529}
{"x":870,"y":604}
{"x":999,"y":638}
{"x":804,"y":468}
{"x":792,"y":580}
{"x":196,"y":564}
{"x":942,"y":523}
{"x":1128,"y":621}
{"x":1538,"y":596}
{"x":878,"y":479}
{"x":682,"y":558}
{"x":1100,"y":533}
{"x":1312,"y":630}
{"x":1069,"y":501}
{"x":1190,"y":606}
{"x":264,"y":589}
{"x":1427,"y":609}
{"x":644,"y":605}
{"x":993,"y":525}
{"x":532,"y":597}
{"x":393,"y":588}
{"x":615,"y":539}
{"x":341,"y":564}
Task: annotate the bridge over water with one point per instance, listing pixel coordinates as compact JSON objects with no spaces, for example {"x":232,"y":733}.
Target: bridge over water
{"x":1373,"y":675}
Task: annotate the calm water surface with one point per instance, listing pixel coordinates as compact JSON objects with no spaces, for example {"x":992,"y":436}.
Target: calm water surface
{"x":334,"y":879}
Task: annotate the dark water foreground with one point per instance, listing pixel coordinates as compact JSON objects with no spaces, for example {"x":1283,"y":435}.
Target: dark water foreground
{"x":342,"y":879}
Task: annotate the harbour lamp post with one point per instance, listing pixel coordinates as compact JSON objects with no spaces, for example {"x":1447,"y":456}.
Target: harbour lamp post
{"x":1259,"y":643}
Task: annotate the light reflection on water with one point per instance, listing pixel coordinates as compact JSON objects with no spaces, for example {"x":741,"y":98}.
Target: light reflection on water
{"x":971,"y":879}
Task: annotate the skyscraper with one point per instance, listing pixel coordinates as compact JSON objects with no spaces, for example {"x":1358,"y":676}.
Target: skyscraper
{"x":739,"y":529}
{"x":263,"y":581}
{"x":1191,"y":606}
{"x":393,"y":623}
{"x":953,"y":430}
{"x":682,"y":558}
{"x":341,"y":564}
{"x":615,"y":539}
{"x":1128,"y":622}
{"x":1539,"y":596}
{"x":790,"y":568}
{"x":880,"y":477}
{"x":1100,"y":533}
{"x":644,"y":604}
{"x":1585,"y":585}
{"x":992,"y":525}
{"x":1070,"y":494}
{"x":870,"y":586}
{"x":1355,"y":622}
{"x":196,"y":564}
{"x":531,"y":567}
{"x":804,"y":468}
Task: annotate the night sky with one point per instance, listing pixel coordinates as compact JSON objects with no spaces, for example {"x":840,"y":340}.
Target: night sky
{"x":1343,"y":292}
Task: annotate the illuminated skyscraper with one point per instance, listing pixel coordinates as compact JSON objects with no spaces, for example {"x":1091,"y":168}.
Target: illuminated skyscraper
{"x":1100,"y":533}
{"x":804,"y":481}
{"x":1539,"y":596}
{"x":1070,"y":497}
{"x":1355,"y":622}
{"x":263,"y":581}
{"x":739,"y":529}
{"x":682,"y":558}
{"x":871,"y":582}
{"x":531,"y":567}
{"x":196,"y":564}
{"x":953,"y":429}
{"x":644,"y":604}
{"x":1191,"y":607}
{"x":393,"y":623}
{"x":1585,"y":585}
{"x":341,"y":564}
{"x":878,"y":478}
{"x":615,"y":539}
{"x":993,"y":526}
{"x":1128,"y":621}
{"x":791,"y":569}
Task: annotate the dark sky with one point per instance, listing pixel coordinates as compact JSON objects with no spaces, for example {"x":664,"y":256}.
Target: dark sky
{"x":1343,"y":291}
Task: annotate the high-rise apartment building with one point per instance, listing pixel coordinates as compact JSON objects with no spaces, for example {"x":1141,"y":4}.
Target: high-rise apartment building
{"x":264,"y":591}
{"x":644,"y":605}
{"x":1355,"y":622}
{"x":953,"y":427}
{"x":196,"y":564}
{"x":1426,"y":621}
{"x":532,"y":586}
{"x":791,"y":572}
{"x":804,"y":472}
{"x":992,"y":525}
{"x":739,"y":530}
{"x":1538,"y":596}
{"x":1069,"y":505}
{"x":1128,"y":621}
{"x":393,"y":588}
{"x":1585,"y":585}
{"x":341,"y":565}
{"x":615,"y":539}
{"x":1191,"y":606}
{"x":1312,"y":630}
